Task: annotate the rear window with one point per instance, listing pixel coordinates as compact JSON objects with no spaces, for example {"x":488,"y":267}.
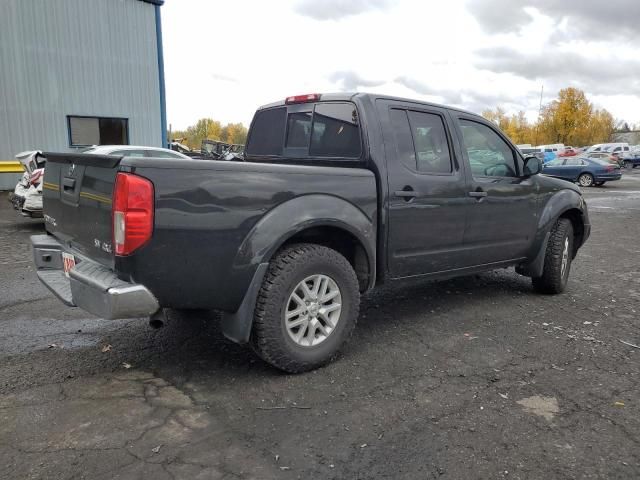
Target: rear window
{"x":335,"y":131}
{"x":329,"y":130}
{"x":267,"y":132}
{"x":298,"y":130}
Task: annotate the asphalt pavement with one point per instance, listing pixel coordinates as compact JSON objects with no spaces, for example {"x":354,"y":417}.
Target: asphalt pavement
{"x":477,"y":377}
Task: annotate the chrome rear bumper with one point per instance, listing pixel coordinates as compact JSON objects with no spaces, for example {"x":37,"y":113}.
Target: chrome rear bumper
{"x":90,"y":285}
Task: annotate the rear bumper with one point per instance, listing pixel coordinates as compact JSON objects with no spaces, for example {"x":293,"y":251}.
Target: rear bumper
{"x":28,"y":203}
{"x":90,"y":286}
{"x":608,"y":177}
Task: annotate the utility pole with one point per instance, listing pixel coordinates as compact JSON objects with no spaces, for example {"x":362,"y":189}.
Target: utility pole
{"x":539,"y":113}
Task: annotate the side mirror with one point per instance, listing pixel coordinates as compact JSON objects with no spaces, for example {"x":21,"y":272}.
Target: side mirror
{"x":532,"y":166}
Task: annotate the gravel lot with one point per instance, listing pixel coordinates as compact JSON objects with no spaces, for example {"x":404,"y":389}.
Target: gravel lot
{"x":471,"y":378}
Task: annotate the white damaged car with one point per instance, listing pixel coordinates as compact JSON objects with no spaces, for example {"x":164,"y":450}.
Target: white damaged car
{"x":27,"y":196}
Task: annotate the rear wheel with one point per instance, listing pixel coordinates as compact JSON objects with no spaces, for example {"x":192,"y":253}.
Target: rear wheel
{"x":307,"y":308}
{"x":557,"y":259}
{"x":628,"y":165}
{"x":585,"y":180}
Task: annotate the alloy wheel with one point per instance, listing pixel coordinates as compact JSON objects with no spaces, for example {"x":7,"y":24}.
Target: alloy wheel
{"x":313,"y":310}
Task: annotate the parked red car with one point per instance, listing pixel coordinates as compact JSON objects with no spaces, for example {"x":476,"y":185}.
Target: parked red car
{"x":568,"y":152}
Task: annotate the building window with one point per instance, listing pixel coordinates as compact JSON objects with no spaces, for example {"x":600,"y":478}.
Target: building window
{"x":87,"y":131}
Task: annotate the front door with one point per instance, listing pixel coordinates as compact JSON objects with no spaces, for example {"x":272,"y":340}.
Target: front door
{"x":502,"y":215}
{"x":426,"y":204}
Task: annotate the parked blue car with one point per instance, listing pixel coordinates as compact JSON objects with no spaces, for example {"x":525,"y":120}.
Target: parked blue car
{"x":585,"y":171}
{"x":549,"y":156}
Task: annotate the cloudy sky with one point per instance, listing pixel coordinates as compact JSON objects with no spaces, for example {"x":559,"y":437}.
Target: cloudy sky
{"x":223,"y":59}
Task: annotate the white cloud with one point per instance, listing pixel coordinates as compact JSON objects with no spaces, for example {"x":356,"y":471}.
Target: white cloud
{"x":337,"y":9}
{"x":224,"y":59}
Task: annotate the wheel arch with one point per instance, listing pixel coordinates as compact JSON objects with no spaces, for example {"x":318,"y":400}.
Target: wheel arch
{"x":566,"y":203}
{"x":577,"y":222}
{"x":322,"y":219}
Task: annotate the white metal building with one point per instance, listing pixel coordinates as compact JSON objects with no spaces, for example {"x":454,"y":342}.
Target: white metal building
{"x":79,"y":72}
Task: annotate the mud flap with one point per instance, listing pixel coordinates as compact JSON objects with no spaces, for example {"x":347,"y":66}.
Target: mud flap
{"x":536,"y":266}
{"x":237,"y":326}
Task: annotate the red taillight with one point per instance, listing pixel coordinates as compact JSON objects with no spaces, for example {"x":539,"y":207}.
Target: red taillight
{"x":311,"y":97}
{"x":610,"y":168}
{"x":132,"y":212}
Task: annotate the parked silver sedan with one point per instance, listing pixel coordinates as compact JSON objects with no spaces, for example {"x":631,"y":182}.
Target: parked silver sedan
{"x":27,"y":195}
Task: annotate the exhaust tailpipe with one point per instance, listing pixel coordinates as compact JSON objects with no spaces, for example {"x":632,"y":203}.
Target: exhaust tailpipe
{"x":158,"y":319}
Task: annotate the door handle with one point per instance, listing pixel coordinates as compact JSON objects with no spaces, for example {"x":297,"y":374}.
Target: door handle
{"x":68,"y":183}
{"x":477,"y":194}
{"x":407,"y":193}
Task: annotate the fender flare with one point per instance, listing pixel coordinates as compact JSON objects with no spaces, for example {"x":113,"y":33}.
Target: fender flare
{"x":298,"y":214}
{"x":561,"y":202}
{"x":274,"y":229}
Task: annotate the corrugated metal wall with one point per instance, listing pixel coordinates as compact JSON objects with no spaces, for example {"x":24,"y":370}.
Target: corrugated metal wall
{"x":76,"y":57}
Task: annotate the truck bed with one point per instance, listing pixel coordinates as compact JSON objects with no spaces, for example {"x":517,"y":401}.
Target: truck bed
{"x":203,"y":212}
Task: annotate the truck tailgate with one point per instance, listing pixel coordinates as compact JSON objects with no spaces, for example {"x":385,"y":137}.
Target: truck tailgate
{"x":77,"y":202}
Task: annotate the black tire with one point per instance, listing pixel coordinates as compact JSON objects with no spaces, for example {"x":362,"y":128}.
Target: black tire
{"x":585,"y":180}
{"x":553,"y":279}
{"x":270,"y":338}
{"x":628,"y":165}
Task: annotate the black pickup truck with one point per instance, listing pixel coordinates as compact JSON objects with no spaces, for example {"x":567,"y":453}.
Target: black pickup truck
{"x":337,"y":194}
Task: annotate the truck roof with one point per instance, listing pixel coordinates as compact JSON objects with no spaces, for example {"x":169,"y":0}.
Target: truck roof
{"x":349,"y":96}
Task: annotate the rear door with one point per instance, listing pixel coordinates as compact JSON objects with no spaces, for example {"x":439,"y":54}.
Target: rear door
{"x":502,"y":217}
{"x":426,"y":204}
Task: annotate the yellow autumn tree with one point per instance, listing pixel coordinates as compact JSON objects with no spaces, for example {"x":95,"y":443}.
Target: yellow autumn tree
{"x":566,"y":119}
{"x":516,"y":126}
{"x":570,"y":119}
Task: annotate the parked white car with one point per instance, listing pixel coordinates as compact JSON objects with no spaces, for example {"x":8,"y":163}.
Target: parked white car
{"x":620,"y":149}
{"x":27,"y":196}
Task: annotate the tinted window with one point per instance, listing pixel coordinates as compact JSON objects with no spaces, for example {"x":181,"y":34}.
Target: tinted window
{"x":404,"y":142}
{"x":298,"y":130}
{"x":335,"y":131}
{"x":97,"y":131}
{"x":556,"y":163}
{"x":489,"y":155}
{"x":267,"y":132}
{"x":430,"y":140}
{"x":574,"y":162}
